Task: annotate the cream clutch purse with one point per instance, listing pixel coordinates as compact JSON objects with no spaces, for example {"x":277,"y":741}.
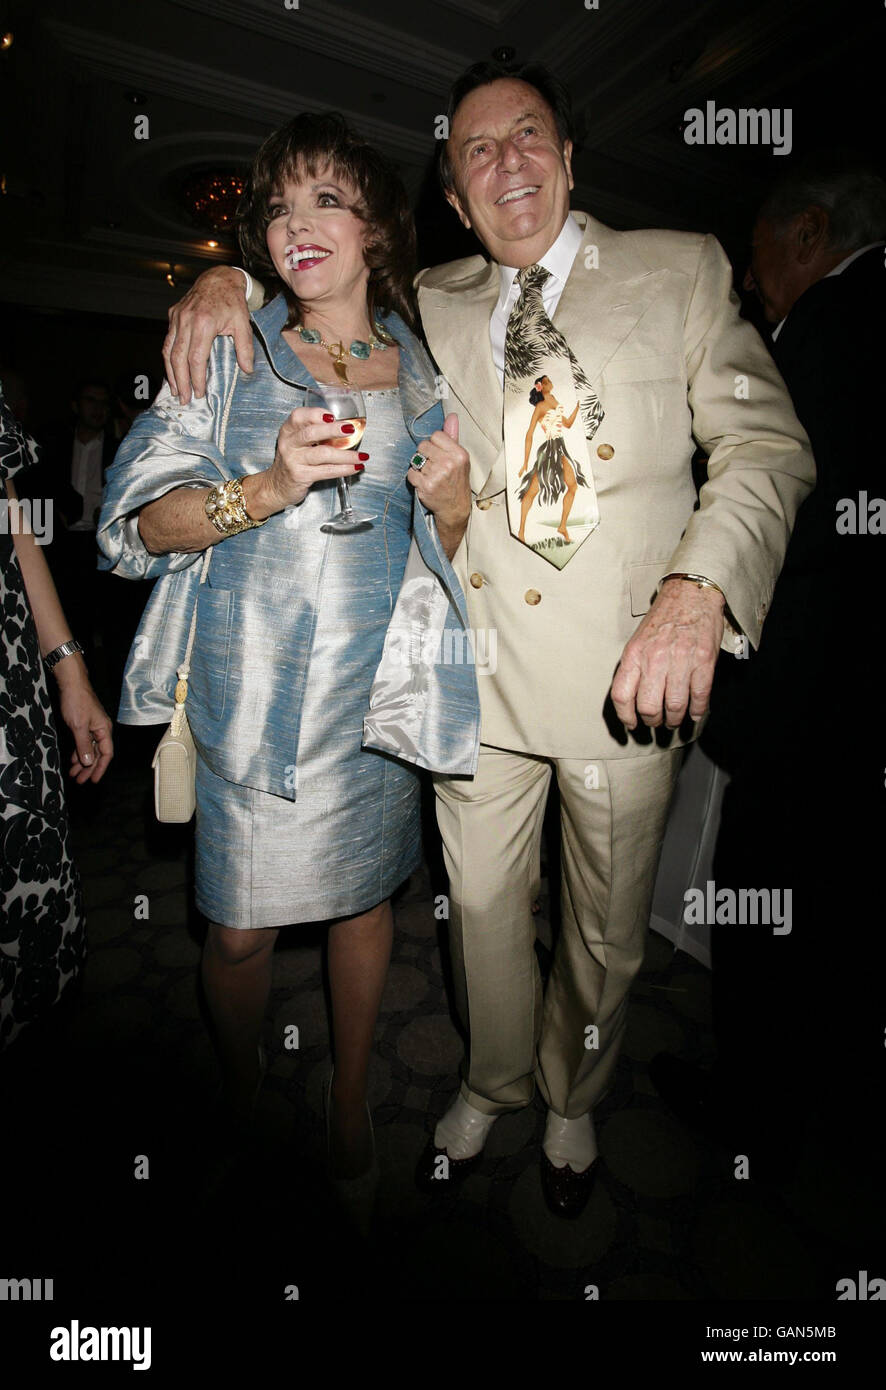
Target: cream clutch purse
{"x":175,"y":761}
{"x":175,"y":769}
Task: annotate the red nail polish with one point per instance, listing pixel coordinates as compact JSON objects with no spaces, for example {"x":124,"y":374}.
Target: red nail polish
{"x":363,"y":456}
{"x":359,"y":467}
{"x":347,"y":429}
{"x":328,"y":419}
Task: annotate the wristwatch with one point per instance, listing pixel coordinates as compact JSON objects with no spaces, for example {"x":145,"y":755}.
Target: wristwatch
{"x":52,"y":658}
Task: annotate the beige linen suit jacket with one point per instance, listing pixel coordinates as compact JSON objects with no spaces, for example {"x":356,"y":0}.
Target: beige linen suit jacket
{"x":655,"y":324}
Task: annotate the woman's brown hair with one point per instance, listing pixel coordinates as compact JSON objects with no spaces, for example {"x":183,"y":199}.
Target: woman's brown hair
{"x":307,"y":146}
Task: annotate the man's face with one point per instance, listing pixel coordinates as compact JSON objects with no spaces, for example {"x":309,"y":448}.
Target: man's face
{"x":775,"y":274}
{"x":512,"y":175}
{"x":93,"y":407}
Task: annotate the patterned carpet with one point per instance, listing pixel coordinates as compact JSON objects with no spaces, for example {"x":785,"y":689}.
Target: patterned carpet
{"x":132,"y":1073}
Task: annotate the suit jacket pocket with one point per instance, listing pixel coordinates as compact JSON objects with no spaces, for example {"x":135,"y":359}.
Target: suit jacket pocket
{"x":209,"y":659}
{"x":643,"y":581}
{"x":624,"y":369}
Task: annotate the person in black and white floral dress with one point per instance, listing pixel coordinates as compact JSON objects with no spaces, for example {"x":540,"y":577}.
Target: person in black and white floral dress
{"x":42,"y":937}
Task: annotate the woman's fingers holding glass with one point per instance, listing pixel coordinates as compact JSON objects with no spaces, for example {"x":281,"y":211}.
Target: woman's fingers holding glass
{"x":307,"y":425}
{"x":295,"y":470}
{"x":311,"y":448}
{"x":308,"y":457}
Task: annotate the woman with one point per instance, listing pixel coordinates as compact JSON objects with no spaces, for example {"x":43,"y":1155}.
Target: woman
{"x":42,"y":939}
{"x":554,"y":472}
{"x":295,"y":821}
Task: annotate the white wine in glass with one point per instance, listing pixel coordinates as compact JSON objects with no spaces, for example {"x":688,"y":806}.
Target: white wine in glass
{"x":346,"y":404}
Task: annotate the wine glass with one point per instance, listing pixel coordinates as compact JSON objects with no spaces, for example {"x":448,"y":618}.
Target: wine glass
{"x":346,"y":404}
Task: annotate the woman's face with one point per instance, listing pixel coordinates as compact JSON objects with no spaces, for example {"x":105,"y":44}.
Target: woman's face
{"x":316,"y":242}
{"x":545,"y":385}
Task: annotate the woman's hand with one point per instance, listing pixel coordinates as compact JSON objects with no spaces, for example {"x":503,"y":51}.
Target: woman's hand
{"x":87,"y":720}
{"x":302,"y":459}
{"x":443,"y":484}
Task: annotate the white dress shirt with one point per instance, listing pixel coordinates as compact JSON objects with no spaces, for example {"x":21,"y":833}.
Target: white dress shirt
{"x":837,"y":270}
{"x":558,"y":260}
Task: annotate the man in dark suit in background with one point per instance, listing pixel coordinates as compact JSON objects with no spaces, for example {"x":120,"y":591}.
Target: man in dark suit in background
{"x":76,"y":458}
{"x":817,"y":265}
{"x":798,"y":1017}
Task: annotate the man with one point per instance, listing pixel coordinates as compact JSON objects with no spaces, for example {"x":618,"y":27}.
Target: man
{"x":817,"y":267}
{"x":80,"y":456}
{"x":647,"y":341}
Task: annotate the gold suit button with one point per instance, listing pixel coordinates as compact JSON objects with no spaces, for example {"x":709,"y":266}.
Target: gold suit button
{"x":605,"y":451}
{"x":476,"y":581}
{"x":484,"y":503}
{"x":532,"y":597}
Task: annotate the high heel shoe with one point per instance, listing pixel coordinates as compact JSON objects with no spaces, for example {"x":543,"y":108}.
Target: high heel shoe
{"x":355,"y":1196}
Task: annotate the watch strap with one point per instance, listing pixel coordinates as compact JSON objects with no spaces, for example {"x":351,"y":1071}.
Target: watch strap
{"x":59,"y":653}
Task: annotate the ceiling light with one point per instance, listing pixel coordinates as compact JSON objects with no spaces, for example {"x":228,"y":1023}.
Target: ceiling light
{"x":211,"y":197}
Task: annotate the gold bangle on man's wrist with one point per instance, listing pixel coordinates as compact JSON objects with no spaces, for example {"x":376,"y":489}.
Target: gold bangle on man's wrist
{"x":698,"y":579}
{"x":225,"y":506}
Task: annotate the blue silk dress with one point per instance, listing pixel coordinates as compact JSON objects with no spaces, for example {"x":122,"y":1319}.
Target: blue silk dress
{"x":296,"y":821}
{"x":353,"y":832}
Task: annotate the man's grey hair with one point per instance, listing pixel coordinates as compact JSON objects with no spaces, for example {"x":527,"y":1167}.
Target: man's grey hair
{"x":848,"y":188}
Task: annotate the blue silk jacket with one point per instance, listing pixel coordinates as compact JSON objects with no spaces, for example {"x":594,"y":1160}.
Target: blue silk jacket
{"x":257,"y":608}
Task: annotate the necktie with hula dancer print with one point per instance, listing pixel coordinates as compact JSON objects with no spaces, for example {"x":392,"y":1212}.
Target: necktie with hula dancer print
{"x":551,"y":411}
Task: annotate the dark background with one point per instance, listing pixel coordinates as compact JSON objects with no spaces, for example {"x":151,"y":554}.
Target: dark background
{"x":93,"y":219}
{"x":92,"y":223}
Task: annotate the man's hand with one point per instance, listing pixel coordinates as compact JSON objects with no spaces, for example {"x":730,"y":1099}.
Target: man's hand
{"x":443,"y":484}
{"x":214,"y":305}
{"x":668,"y":665}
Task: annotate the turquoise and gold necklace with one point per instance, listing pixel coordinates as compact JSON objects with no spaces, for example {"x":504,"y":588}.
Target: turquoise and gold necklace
{"x":338,"y":351}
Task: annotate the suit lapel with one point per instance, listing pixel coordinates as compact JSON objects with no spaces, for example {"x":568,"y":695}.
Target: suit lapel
{"x":456,"y":323}
{"x":600,"y":305}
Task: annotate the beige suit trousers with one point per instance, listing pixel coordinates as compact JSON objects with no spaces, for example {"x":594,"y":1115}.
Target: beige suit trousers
{"x":613,"y":815}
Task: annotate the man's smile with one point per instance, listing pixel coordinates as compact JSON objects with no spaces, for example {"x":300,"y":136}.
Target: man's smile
{"x":526,"y":191}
